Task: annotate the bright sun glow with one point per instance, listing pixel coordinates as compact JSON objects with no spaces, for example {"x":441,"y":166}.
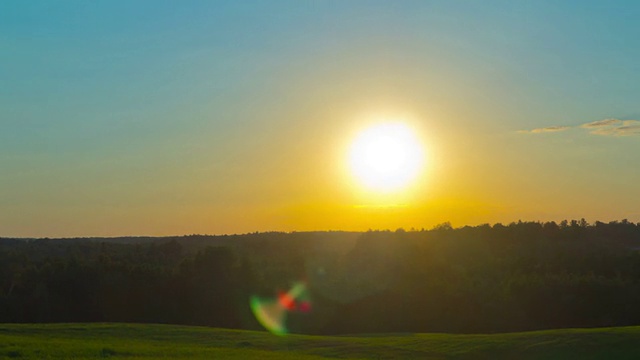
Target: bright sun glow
{"x":386,"y":157}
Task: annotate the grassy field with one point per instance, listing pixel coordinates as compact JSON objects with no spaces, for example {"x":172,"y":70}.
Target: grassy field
{"x":132,"y":341}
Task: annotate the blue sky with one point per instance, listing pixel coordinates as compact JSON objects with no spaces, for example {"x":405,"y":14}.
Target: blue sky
{"x":159,"y":117}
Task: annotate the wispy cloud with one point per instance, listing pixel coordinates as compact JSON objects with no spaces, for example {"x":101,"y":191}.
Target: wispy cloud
{"x":546,"y":129}
{"x":623,"y":128}
{"x":601,"y":123}
{"x":606,"y":127}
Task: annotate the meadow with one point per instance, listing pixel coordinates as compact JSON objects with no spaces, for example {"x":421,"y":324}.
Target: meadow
{"x":138,"y":341}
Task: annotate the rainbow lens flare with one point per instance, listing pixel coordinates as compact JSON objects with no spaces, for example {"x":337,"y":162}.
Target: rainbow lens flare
{"x":272,"y":313}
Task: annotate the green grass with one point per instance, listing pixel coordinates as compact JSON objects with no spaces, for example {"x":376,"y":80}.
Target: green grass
{"x":132,"y":341}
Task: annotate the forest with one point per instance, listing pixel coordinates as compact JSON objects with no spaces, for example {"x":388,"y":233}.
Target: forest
{"x":481,"y":279}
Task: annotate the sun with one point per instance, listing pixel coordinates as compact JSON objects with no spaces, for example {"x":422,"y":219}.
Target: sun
{"x":386,"y":157}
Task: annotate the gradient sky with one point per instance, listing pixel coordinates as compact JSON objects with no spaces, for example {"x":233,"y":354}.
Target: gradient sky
{"x":211,"y":117}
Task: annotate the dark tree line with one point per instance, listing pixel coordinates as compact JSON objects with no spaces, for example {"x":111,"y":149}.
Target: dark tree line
{"x":101,"y":282}
{"x":515,"y":277}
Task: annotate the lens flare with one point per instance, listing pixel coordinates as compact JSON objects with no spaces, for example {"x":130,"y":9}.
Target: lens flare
{"x":272,"y":313}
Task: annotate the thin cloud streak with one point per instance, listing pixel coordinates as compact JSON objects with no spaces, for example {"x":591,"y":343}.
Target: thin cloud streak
{"x":605,"y":127}
{"x":546,"y":129}
{"x":601,"y":123}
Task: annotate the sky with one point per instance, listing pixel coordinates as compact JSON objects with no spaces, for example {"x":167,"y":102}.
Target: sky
{"x":221,"y":117}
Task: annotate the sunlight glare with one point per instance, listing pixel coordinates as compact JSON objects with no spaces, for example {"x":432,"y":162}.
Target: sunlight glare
{"x":386,"y":157}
